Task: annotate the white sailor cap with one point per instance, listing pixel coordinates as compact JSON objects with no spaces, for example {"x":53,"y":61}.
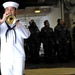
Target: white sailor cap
{"x":10,"y":3}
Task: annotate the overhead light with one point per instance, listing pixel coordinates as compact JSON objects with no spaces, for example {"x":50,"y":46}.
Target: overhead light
{"x":37,"y":11}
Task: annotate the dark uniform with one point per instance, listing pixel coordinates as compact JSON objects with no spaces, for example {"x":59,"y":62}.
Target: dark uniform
{"x":73,"y":36}
{"x":34,"y":42}
{"x":47,"y":38}
{"x":63,"y":42}
{"x":73,"y":33}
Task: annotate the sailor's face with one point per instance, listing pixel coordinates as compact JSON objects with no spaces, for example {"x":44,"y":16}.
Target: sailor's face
{"x":10,"y":10}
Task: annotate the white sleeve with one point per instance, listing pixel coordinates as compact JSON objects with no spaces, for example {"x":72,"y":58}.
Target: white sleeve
{"x":25,"y":33}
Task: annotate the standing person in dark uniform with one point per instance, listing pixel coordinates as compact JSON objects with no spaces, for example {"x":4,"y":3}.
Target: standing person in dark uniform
{"x":63,"y":40}
{"x":34,"y":42}
{"x":73,"y":36}
{"x":47,"y":38}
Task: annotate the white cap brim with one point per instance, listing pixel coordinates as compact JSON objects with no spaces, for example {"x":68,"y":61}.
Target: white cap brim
{"x":13,"y":4}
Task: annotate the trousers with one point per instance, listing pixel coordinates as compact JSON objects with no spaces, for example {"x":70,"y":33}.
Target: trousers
{"x":13,"y":67}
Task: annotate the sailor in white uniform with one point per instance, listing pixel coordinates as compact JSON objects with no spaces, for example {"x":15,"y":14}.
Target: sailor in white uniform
{"x":12,"y":43}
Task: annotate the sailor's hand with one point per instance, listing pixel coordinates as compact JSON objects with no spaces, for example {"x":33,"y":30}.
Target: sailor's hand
{"x":17,"y":22}
{"x":5,"y":15}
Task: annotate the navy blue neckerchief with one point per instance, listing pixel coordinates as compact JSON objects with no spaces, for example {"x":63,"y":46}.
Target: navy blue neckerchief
{"x":9,"y":28}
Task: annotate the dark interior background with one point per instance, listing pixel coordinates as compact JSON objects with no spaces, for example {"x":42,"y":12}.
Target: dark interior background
{"x":26,"y":3}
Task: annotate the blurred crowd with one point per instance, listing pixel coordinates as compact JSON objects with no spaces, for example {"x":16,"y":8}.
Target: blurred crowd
{"x":56,"y":43}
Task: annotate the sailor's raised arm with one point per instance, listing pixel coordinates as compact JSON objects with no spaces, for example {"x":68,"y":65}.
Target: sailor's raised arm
{"x":5,"y":15}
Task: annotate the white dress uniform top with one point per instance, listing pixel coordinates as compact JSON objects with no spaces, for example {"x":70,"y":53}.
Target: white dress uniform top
{"x":12,"y":53}
{"x":0,"y":49}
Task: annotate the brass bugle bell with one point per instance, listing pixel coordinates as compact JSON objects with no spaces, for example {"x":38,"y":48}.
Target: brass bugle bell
{"x":11,"y":20}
